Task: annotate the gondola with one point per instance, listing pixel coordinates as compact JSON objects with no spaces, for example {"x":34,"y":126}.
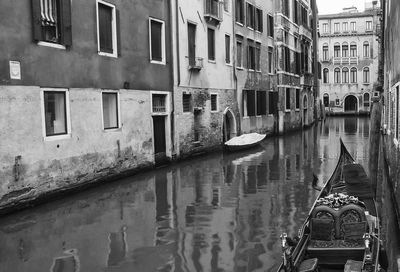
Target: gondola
{"x":341,"y":231}
{"x":244,"y":141}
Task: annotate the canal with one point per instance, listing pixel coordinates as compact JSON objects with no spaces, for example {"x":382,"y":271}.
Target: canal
{"x":219,"y":212}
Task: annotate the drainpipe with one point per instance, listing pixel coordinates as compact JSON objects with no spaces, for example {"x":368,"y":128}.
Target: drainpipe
{"x":235,"y":91}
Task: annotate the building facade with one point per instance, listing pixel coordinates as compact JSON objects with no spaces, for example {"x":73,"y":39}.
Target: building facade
{"x":78,"y":99}
{"x":255,"y":75}
{"x":349,"y":55}
{"x":388,"y":188}
{"x":205,"y":106}
{"x":295,"y":63}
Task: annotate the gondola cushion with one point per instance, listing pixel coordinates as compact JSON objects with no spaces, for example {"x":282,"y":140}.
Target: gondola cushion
{"x":309,"y":265}
{"x":322,"y":229}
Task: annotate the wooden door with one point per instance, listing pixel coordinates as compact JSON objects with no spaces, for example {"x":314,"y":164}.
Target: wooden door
{"x":159,"y":137}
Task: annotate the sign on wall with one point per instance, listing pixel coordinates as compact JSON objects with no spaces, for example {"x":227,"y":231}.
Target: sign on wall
{"x":15,"y":69}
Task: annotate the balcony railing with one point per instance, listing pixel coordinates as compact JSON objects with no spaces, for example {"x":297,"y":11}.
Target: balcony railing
{"x":213,"y":11}
{"x":195,"y":63}
{"x":345,"y":60}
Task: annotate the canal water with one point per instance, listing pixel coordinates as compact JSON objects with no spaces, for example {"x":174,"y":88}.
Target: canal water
{"x":220,"y":212}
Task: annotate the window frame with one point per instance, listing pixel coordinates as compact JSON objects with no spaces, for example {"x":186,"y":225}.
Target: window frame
{"x":189,"y":95}
{"x":368,"y":23}
{"x":345,"y":75}
{"x":105,"y":91}
{"x":241,"y":55}
{"x":287,"y":100}
{"x":325,"y":51}
{"x":55,"y":137}
{"x":366,"y":79}
{"x":325,"y":79}
{"x":270,"y":53}
{"x":113,"y":29}
{"x":213,"y":60}
{"x":163,"y":59}
{"x":336,"y":27}
{"x":228,"y":55}
{"x":353,"y":26}
{"x":240,"y":9}
{"x":271,"y":26}
{"x":216,"y":102}
{"x":337,"y":75}
{"x":366,"y":49}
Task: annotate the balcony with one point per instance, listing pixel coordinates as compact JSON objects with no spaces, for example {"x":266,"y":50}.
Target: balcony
{"x":195,"y":63}
{"x":345,"y":60}
{"x":307,"y":79}
{"x":213,"y":12}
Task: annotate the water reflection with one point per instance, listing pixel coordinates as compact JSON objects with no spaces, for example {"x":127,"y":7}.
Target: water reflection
{"x":223,"y":212}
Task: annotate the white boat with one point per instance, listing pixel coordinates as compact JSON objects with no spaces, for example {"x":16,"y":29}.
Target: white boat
{"x":244,"y":141}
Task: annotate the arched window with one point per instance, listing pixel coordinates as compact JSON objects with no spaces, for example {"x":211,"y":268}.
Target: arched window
{"x":366,"y":75}
{"x":353,"y":75}
{"x":326,"y":100}
{"x":345,"y":50}
{"x":325,"y":52}
{"x":325,"y":76}
{"x":305,"y":102}
{"x":366,"y":49}
{"x":366,"y":100}
{"x":336,"y":50}
{"x":337,"y":75}
{"x":345,"y":74}
{"x":353,"y":49}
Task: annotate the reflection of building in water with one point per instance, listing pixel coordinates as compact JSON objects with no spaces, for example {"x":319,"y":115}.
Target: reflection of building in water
{"x":118,"y":247}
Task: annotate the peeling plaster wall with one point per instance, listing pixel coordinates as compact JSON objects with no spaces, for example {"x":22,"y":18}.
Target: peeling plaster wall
{"x":91,"y":153}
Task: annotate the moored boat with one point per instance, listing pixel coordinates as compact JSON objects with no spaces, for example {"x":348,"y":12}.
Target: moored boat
{"x":341,"y":231}
{"x":244,"y":141}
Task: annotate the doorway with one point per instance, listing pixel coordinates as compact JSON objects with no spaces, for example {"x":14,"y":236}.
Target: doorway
{"x":350,"y":103}
{"x":159,"y":138}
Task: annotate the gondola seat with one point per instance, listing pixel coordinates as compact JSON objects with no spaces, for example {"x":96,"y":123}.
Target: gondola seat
{"x":336,"y":234}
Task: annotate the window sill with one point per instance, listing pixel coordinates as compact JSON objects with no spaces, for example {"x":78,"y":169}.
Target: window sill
{"x":214,"y":111}
{"x":212,"y":61}
{"x":107,"y":54}
{"x":297,"y":110}
{"x":238,"y":23}
{"x":288,"y":111}
{"x":112,"y":129}
{"x":246,"y":117}
{"x":158,"y":62}
{"x":239,"y":68}
{"x":57,"y":137}
{"x":228,"y":64}
{"x":53,"y":45}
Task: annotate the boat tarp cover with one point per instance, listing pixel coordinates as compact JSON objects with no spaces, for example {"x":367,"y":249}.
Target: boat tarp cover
{"x":359,"y":185}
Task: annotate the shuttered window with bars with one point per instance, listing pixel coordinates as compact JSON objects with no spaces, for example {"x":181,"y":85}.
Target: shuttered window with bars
{"x":186,"y":102}
{"x":52,"y":21}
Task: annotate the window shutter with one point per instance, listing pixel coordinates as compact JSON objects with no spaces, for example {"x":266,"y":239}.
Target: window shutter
{"x":118,"y":32}
{"x":36,"y":23}
{"x":261,"y":21}
{"x":66,"y":31}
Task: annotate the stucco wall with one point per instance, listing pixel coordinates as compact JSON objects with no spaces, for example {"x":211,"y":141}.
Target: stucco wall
{"x":89,"y":154}
{"x":81,"y":66}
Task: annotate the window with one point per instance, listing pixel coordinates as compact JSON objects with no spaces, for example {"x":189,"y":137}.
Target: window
{"x":369,"y":25}
{"x":159,"y":103}
{"x":325,"y":52}
{"x":287,"y":99}
{"x":270,"y":26}
{"x":337,"y":75}
{"x":297,"y":99}
{"x":366,"y":75}
{"x":110,"y":110}
{"x":239,"y":11}
{"x":227,"y":49}
{"x":52,"y":22}
{"x":353,"y":26}
{"x":251,"y":16}
{"x":286,"y":58}
{"x":353,"y":75}
{"x":251,"y":55}
{"x":336,"y":51}
{"x":325,"y":76}
{"x":304,"y":15}
{"x":326,"y":100}
{"x":192,"y":44}
{"x":366,"y":100}
{"x":211,"y":44}
{"x":157,"y":45}
{"x":285,"y":37}
{"x":345,"y":50}
{"x":296,"y":11}
{"x":214,"y":104}
{"x":285,"y":7}
{"x":345,"y":74}
{"x":261,"y":102}
{"x":337,"y":102}
{"x":353,"y":50}
{"x":345,"y":27}
{"x":186,"y":102}
{"x":257,"y":56}
{"x":336,"y":27}
{"x":226,"y":5}
{"x":249,"y":103}
{"x":366,"y":49}
{"x":270,"y":59}
{"x":55,"y":111}
{"x":272,"y":102}
{"x":239,"y":52}
{"x":325,"y":28}
{"x":259,"y":20}
{"x":106,"y":29}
